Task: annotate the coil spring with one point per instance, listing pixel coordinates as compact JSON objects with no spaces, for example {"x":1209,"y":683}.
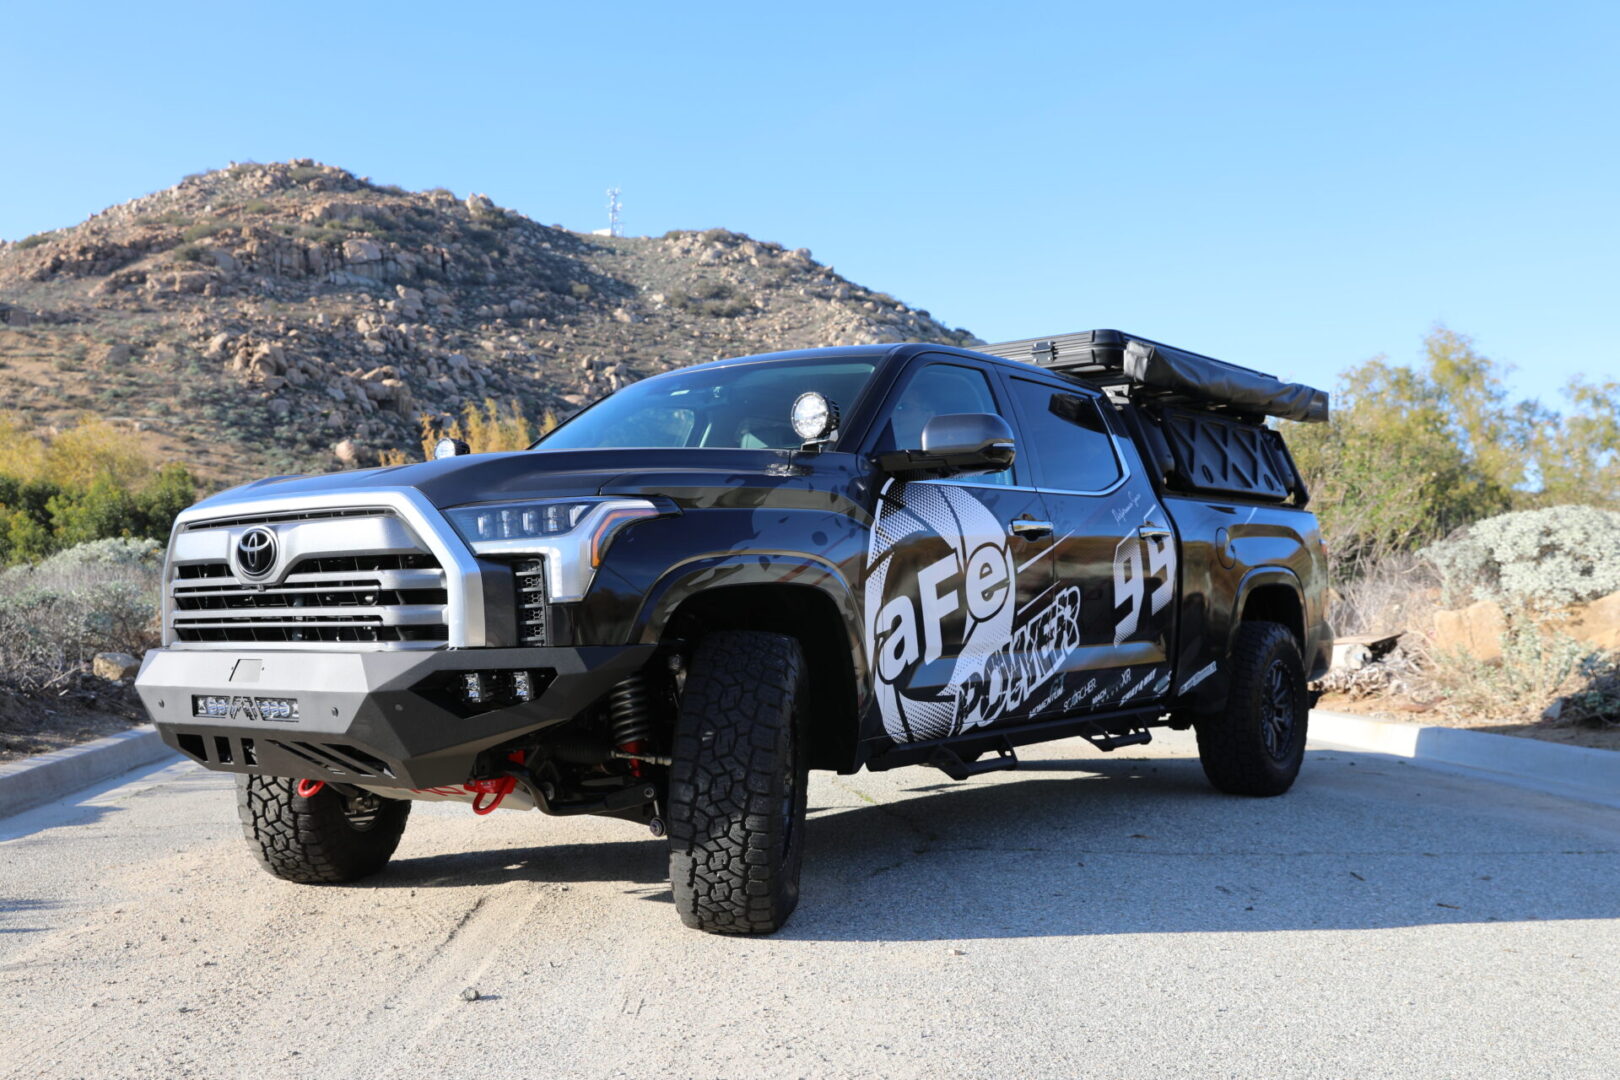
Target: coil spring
{"x":630,"y":712}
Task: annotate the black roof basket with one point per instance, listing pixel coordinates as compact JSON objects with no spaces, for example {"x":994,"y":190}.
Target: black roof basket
{"x":1141,"y":368}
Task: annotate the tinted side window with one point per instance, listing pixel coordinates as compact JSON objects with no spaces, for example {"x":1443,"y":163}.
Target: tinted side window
{"x":938,"y":390}
{"x":1066,"y":437}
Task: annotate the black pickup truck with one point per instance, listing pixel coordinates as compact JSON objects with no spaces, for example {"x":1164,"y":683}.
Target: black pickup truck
{"x":684,"y":598}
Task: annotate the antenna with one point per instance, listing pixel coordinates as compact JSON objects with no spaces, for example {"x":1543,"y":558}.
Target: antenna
{"x":615,"y":226}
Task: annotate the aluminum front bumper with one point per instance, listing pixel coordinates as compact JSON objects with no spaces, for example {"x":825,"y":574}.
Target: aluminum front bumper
{"x":363,"y":717}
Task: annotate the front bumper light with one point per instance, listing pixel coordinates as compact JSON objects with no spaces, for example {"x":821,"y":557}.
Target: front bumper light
{"x":571,"y":534}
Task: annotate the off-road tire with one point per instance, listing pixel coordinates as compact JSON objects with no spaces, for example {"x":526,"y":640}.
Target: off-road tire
{"x":737,"y":784}
{"x":315,"y":840}
{"x":1256,"y":746}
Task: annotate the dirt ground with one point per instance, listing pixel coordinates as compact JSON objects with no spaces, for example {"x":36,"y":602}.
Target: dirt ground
{"x":1410,"y":712}
{"x":39,"y":722}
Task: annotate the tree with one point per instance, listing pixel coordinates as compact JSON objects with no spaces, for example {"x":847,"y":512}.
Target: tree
{"x":1577,"y":457}
{"x":1413,"y":453}
{"x":1409,"y":454}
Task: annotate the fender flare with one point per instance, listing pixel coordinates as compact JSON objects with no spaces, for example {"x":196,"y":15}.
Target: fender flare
{"x":704,"y":573}
{"x":1259,"y":577}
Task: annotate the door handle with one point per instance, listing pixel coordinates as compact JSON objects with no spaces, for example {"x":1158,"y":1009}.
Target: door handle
{"x":1030,"y":529}
{"x":1153,"y":532}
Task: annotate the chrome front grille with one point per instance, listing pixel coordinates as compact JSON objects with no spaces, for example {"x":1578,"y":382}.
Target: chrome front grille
{"x":380,"y":598}
{"x":342,"y":577}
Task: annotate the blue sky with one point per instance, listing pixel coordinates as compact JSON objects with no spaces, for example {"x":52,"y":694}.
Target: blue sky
{"x":1293,"y":186}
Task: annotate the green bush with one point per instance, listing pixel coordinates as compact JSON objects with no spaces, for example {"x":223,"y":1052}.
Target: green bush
{"x":39,"y":518}
{"x":35,"y":240}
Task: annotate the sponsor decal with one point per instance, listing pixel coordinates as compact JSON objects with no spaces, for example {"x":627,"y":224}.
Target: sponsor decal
{"x":964,"y":588}
{"x":1013,"y":673}
{"x":971,"y":583}
{"x":1198,"y":676}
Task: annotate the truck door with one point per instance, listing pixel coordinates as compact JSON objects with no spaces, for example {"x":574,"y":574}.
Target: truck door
{"x":1114,"y":552}
{"x":952,"y":567}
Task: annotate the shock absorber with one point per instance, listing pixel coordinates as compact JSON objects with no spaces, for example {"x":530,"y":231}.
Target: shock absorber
{"x":630,"y":712}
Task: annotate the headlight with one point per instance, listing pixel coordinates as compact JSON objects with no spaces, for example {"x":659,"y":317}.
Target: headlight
{"x":573,"y":534}
{"x":479,"y":525}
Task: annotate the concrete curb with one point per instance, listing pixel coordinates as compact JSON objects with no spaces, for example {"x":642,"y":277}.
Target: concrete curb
{"x":1575,"y":772}
{"x":32,"y":781}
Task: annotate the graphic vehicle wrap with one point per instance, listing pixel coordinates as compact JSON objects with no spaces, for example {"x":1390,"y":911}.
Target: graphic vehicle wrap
{"x":1005,"y":656}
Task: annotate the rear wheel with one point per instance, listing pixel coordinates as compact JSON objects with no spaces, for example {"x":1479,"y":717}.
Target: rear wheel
{"x":324,"y":837}
{"x":737,"y":784}
{"x":1257,"y":745}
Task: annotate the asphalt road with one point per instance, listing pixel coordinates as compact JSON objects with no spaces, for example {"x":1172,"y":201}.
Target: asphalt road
{"x":1086,"y":916}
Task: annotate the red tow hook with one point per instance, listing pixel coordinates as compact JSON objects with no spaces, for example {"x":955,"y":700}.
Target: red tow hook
{"x":308,"y":789}
{"x":497,"y":786}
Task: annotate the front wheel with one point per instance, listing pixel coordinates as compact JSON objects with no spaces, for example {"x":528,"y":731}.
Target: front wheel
{"x":1256,"y":746}
{"x":320,"y":838}
{"x":737,"y":784}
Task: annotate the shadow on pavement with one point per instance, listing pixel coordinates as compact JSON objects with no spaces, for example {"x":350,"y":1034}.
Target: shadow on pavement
{"x":1087,"y":846}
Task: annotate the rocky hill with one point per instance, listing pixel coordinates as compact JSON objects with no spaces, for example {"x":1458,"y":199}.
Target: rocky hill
{"x":295,"y":317}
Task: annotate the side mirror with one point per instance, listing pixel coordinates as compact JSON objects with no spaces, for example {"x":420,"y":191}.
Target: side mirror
{"x":957,"y":444}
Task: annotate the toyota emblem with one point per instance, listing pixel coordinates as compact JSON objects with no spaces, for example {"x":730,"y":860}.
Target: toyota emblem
{"x":256,"y":553}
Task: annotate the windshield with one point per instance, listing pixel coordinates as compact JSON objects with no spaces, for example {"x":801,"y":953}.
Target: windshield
{"x":736,"y":406}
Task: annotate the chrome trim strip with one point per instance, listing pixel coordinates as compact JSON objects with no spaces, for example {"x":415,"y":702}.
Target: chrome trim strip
{"x":464,"y":611}
{"x":289,"y":516}
{"x":331,"y":580}
{"x":395,"y":615}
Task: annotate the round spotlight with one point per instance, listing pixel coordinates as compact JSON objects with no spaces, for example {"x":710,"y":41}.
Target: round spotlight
{"x":814,"y":417}
{"x":450,"y":448}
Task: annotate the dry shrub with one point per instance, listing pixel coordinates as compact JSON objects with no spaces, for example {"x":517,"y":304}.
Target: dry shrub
{"x":96,"y":597}
{"x":1533,"y":564}
{"x":22,"y":455}
{"x":488,"y":428}
{"x":77,"y":457}
{"x":1395,"y":594}
{"x":1540,"y":665}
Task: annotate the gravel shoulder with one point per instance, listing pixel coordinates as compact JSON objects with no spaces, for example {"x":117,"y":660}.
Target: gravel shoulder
{"x":1085,"y":915}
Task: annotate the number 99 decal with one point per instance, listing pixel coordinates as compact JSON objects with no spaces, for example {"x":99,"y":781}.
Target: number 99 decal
{"x":1142,"y":562}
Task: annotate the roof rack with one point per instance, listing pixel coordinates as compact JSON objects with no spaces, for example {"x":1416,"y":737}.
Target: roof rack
{"x":1141,"y":368}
